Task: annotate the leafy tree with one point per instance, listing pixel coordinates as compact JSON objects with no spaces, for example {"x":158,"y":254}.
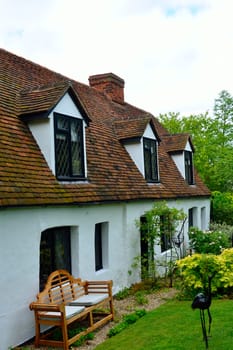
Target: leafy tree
{"x":222,"y":207}
{"x":223,"y":112}
{"x":212,"y":138}
{"x":203,"y":132}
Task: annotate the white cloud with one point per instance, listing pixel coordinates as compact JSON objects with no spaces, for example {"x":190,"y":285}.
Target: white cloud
{"x":175,"y":55}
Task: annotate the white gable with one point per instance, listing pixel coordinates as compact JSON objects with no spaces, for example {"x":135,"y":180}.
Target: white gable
{"x":188,"y":147}
{"x":135,"y":149}
{"x":68,"y":107}
{"x":179,"y":159}
{"x":149,"y":133}
{"x":43,"y":128}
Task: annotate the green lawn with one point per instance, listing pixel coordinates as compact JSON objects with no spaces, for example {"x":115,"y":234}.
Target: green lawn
{"x":175,"y":326}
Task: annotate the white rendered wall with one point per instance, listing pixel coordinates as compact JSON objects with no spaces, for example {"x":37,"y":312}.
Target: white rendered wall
{"x":20,"y":233}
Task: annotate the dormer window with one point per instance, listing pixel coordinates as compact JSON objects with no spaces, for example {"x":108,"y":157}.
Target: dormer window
{"x":69,"y":151}
{"x":150,"y":160}
{"x":188,"y":163}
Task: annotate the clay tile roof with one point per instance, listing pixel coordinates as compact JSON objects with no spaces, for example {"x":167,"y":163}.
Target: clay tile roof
{"x":41,"y":98}
{"x":26,"y":89}
{"x":177,"y":142}
{"x":126,"y":129}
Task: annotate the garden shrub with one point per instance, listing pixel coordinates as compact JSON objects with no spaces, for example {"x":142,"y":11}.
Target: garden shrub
{"x":227,"y":229}
{"x":222,"y":207}
{"x":194,"y":271}
{"x":127,"y":320}
{"x":141,"y":297}
{"x":122,"y":294}
{"x":57,"y":335}
{"x":204,"y":242}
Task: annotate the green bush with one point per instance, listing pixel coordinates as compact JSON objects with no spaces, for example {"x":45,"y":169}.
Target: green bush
{"x":127,"y":320}
{"x":227,"y":229}
{"x":222,"y":207}
{"x":57,"y":335}
{"x":212,"y":242}
{"x":194,"y":271}
{"x":122,"y":294}
{"x":141,"y":298}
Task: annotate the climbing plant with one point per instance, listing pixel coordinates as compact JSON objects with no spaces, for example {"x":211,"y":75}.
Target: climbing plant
{"x":158,"y":224}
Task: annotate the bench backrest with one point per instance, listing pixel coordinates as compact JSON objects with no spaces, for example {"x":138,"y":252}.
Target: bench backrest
{"x":61,"y":287}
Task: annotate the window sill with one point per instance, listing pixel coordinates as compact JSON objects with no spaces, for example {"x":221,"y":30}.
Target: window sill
{"x":102,"y":271}
{"x":73,"y":181}
{"x":151,"y":183}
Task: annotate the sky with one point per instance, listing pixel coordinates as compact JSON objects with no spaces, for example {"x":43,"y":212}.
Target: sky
{"x":174,"y":55}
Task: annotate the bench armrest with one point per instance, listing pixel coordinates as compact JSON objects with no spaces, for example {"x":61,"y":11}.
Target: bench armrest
{"x":98,"y":287}
{"x":47,"y":307}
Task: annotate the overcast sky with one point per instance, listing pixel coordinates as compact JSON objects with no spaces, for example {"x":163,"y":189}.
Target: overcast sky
{"x":174,"y":55}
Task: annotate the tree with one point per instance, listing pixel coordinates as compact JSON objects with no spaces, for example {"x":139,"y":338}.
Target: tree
{"x":223,"y":112}
{"x":203,"y":132}
{"x":212,"y":138}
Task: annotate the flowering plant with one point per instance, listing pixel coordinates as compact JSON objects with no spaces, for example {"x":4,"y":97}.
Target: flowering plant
{"x":211,"y":242}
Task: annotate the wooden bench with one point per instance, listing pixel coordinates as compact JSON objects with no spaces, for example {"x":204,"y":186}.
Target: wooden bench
{"x":66,"y":299}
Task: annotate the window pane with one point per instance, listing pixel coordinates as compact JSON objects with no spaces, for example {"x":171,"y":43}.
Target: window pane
{"x":69,"y":147}
{"x":62,"y":123}
{"x":147,"y":159}
{"x":153,"y":161}
{"x":150,"y":159}
{"x":98,"y":247}
{"x":188,"y":167}
{"x":76,"y":148}
{"x":62,"y":249}
{"x":190,"y":217}
{"x":165,"y":233}
{"x":62,"y":153}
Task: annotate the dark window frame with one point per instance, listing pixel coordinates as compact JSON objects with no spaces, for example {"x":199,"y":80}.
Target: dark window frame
{"x":150,"y":153}
{"x":75,"y":149}
{"x":188,"y":163}
{"x":165,"y":239}
{"x":98,"y":247}
{"x":190,"y":217}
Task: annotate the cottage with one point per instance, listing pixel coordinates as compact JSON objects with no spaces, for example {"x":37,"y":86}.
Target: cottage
{"x":78,"y":166}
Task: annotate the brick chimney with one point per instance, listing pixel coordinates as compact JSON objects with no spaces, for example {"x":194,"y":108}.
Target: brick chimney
{"x":109,"y":83}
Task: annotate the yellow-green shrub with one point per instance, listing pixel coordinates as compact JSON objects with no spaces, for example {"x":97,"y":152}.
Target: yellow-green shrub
{"x":195,"y":270}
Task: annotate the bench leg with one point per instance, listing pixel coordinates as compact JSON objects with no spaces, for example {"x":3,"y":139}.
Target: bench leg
{"x":37,"y":331}
{"x":91,"y":318}
{"x":111,"y":308}
{"x":65,"y":335}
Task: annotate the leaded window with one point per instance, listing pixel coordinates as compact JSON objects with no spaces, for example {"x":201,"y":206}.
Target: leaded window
{"x":69,"y":150}
{"x":150,"y":160}
{"x":188,"y":161}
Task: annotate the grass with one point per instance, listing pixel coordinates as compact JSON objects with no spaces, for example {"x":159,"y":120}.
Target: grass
{"x":175,"y":326}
